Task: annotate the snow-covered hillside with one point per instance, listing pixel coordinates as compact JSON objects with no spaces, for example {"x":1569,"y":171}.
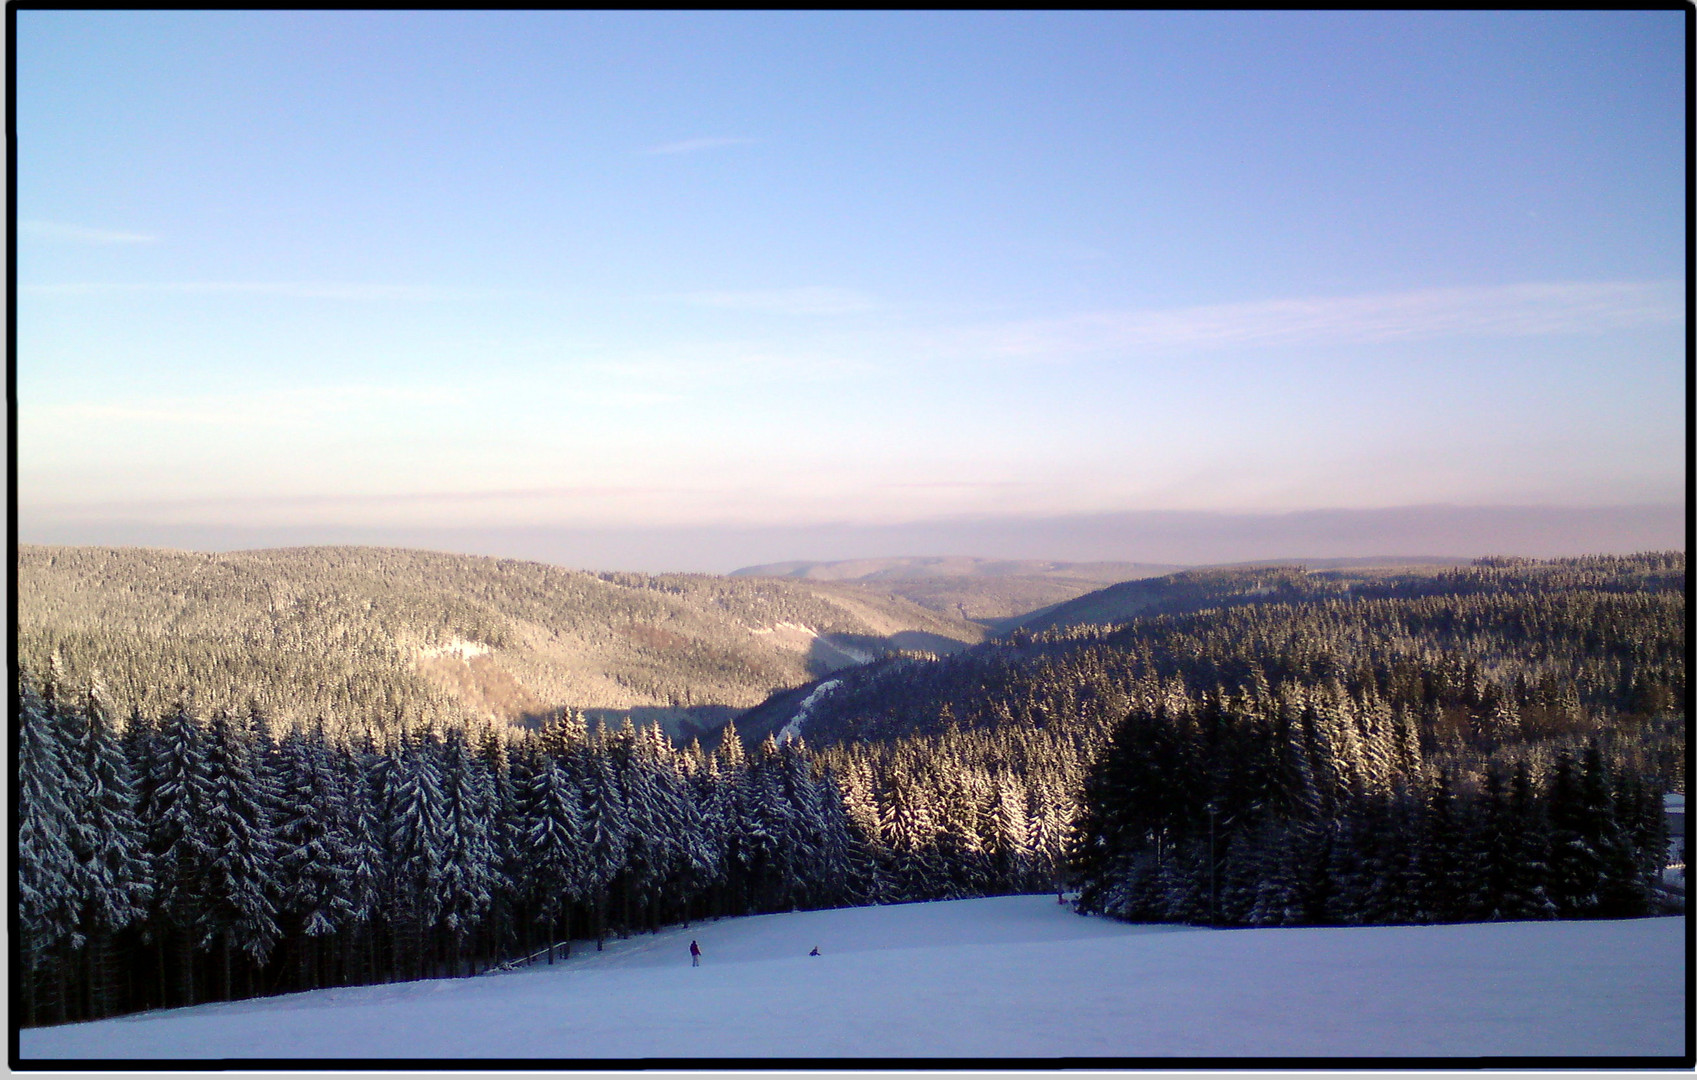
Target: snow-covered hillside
{"x":1006,"y":977}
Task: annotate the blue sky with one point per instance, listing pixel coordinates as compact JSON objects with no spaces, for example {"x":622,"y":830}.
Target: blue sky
{"x":378,"y":274}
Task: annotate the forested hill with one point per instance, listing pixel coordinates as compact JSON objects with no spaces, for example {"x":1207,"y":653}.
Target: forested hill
{"x":1503,"y":658}
{"x":1226,"y":586}
{"x":374,"y":634}
{"x":994,"y":592}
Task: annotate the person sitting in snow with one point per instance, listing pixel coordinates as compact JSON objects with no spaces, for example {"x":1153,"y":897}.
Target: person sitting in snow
{"x":815,"y":951}
{"x":694,"y":955}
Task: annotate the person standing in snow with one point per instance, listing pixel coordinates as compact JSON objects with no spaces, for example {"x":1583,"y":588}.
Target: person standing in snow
{"x":694,"y":955}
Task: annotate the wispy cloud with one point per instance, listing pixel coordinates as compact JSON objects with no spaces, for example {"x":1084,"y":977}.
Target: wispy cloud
{"x":294,"y":407}
{"x":304,"y":290}
{"x":1526,"y":310}
{"x":963,"y":485}
{"x":689,"y":369}
{"x":168,"y":505}
{"x":693,"y":146}
{"x":810,"y":300}
{"x":82,"y":234}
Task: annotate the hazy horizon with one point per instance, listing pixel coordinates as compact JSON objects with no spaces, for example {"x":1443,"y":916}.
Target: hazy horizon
{"x":661,"y":291}
{"x":1183,"y":539}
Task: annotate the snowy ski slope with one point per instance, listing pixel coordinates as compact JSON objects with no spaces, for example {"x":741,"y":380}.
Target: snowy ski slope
{"x":1009,"y":977}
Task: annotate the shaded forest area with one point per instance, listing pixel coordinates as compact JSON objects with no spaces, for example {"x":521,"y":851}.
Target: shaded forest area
{"x":1507,"y":660}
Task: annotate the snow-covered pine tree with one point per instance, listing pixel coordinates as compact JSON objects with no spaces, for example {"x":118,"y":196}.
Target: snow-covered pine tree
{"x":1010,"y":836}
{"x":1386,"y":841}
{"x":45,"y":870}
{"x":1581,"y":828}
{"x":1438,"y":853}
{"x":173,"y":809}
{"x":1643,"y":827}
{"x":642,"y":868}
{"x":766,"y":819}
{"x":714,"y":804}
{"x":1625,"y":888}
{"x":604,"y":830}
{"x":1052,"y":813}
{"x":495,"y":751}
{"x":688,"y":863}
{"x":1378,"y":745}
{"x":1527,"y":888}
{"x":416,"y":850}
{"x":961,"y":807}
{"x":239,"y":875}
{"x":554,"y":844}
{"x":909,"y":831}
{"x":841,"y":870}
{"x":110,"y":844}
{"x":866,"y":851}
{"x":314,"y":855}
{"x":369,"y":874}
{"x":468,"y":876}
{"x":816,"y":866}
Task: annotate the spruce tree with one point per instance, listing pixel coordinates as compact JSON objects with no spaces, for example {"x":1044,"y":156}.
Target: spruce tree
{"x":554,"y":842}
{"x":175,"y":809}
{"x":315,"y":856}
{"x":468,"y":874}
{"x":46,"y":869}
{"x":115,"y":879}
{"x":239,"y":874}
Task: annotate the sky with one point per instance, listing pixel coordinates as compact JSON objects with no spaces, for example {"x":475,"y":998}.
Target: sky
{"x":693,"y":291}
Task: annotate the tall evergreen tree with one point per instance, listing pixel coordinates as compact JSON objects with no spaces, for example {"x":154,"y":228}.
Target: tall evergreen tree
{"x":115,"y":880}
{"x":175,"y":809}
{"x":46,"y":868}
{"x":239,"y":874}
{"x":315,"y":855}
{"x":416,"y":853}
{"x":468,"y":875}
{"x":554,"y":842}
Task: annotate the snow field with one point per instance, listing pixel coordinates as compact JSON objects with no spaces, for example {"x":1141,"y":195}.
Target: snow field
{"x":1002,"y":977}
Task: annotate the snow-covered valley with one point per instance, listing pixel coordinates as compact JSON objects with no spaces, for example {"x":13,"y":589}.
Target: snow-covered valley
{"x":1008,"y":977}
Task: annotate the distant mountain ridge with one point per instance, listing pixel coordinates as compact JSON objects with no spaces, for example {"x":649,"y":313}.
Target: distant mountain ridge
{"x":1002,"y":594}
{"x":1190,"y":589}
{"x":911,"y":567}
{"x":989,"y":592}
{"x":351,"y":632}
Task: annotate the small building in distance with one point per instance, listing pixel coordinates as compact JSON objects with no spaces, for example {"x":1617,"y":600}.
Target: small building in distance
{"x":1673,"y":806}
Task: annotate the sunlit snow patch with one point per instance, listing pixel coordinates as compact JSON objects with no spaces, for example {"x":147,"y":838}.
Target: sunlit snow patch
{"x":792,"y":729}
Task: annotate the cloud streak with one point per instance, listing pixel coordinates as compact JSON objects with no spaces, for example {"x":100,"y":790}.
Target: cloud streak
{"x":1526,"y":310}
{"x":81,"y":234}
{"x":297,"y":406}
{"x":695,"y":146}
{"x":299,"y":290}
{"x":808,"y":300}
{"x":447,"y":500}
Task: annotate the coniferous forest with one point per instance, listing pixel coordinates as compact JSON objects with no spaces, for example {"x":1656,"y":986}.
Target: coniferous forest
{"x":1488,"y":743}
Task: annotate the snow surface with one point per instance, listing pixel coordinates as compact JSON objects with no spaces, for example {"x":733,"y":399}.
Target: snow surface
{"x":1004,"y":977}
{"x":457,"y":646}
{"x":792,"y":729}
